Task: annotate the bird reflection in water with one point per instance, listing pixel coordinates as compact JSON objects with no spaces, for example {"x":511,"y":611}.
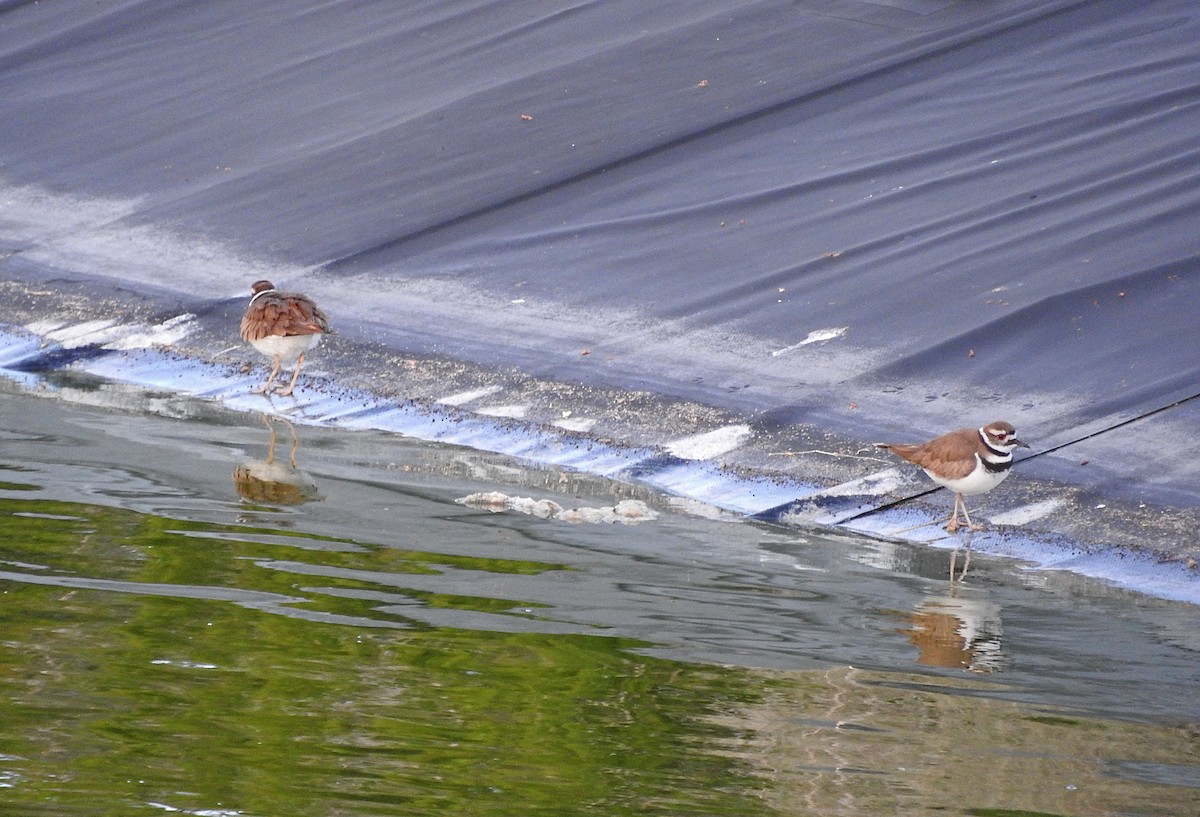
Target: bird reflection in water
{"x":275,"y":482}
{"x":966,"y":562}
{"x":958,"y":633}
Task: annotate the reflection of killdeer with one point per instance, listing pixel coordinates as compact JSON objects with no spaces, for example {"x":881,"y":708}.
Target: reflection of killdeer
{"x":968,"y":461}
{"x":283,"y":326}
{"x":274,"y":482}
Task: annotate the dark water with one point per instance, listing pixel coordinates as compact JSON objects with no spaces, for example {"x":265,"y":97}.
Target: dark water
{"x":189,"y":623}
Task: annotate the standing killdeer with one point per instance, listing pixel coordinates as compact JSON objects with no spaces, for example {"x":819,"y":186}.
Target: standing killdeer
{"x":968,"y":461}
{"x":283,"y":326}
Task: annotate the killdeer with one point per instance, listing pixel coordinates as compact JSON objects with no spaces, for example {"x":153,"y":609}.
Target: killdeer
{"x":283,"y":326}
{"x":968,"y":461}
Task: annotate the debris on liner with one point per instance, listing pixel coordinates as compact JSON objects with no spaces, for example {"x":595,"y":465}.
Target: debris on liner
{"x":626,"y":512}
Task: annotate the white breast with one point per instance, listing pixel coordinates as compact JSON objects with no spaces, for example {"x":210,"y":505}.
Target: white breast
{"x":288,"y":348}
{"x":979,"y":481}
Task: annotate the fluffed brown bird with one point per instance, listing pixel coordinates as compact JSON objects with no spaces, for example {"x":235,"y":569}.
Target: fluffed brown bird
{"x":282,"y":326}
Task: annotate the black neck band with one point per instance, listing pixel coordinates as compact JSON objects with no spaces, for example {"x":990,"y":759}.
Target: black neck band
{"x":995,"y":467}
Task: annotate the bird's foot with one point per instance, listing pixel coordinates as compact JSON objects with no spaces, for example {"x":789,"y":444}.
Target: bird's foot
{"x":955,"y":523}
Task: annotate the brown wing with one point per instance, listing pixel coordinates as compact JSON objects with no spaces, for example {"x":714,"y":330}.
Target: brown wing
{"x":278,"y":313}
{"x":952,"y":455}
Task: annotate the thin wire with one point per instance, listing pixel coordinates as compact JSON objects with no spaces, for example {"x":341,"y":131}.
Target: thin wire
{"x":1112,"y":427}
{"x":1050,"y":450}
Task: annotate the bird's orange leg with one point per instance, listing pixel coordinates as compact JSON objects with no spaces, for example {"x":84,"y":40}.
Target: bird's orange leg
{"x":292,"y":386}
{"x":265,"y":388}
{"x":954,"y":520}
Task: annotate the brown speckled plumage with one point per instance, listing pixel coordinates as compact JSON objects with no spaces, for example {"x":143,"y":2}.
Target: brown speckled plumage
{"x":282,"y":326}
{"x":951,"y":455}
{"x":272,"y":312}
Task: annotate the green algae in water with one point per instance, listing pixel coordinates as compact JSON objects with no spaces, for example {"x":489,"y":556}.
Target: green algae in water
{"x":150,"y":664}
{"x":117,"y":701}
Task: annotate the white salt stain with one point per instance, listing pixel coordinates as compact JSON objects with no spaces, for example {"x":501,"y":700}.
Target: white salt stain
{"x":463,"y":397}
{"x":43,"y":327}
{"x":815,"y":336}
{"x":877,"y":484}
{"x":112,"y":335}
{"x":580,"y":424}
{"x":88,"y":333}
{"x":1026,"y":513}
{"x":513,"y":411}
{"x":709,"y":444}
{"x":162,"y":334}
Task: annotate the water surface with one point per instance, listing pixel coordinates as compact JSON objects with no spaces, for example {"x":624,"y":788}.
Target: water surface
{"x":192,"y":623}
